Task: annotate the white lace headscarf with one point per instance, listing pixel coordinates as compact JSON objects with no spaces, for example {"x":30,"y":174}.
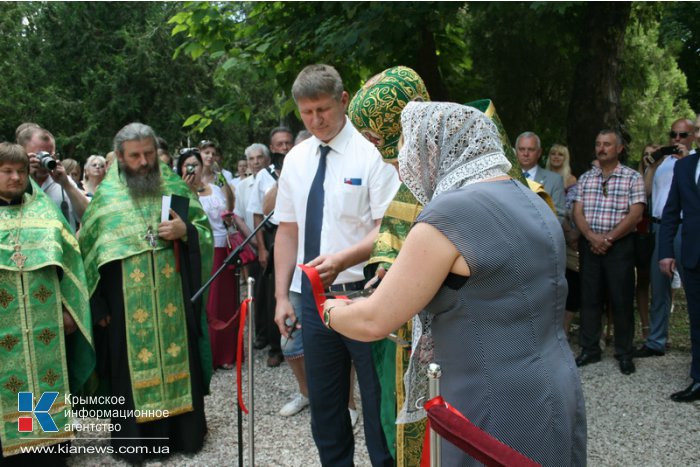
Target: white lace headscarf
{"x":446,"y":146}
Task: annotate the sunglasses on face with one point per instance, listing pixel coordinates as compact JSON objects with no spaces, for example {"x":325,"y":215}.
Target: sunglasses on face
{"x":682,"y":134}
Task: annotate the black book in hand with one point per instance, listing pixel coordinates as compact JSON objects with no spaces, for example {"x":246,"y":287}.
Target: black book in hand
{"x":179,"y":204}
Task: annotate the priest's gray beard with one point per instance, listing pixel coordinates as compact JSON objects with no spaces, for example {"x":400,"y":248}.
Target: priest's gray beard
{"x":142,"y":183}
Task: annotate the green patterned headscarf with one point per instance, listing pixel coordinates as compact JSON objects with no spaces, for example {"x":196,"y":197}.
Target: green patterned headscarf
{"x":487,"y":107}
{"x":376,"y":108}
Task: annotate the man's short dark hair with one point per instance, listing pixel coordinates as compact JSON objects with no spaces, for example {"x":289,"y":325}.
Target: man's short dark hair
{"x":11,"y":153}
{"x":611,"y":131}
{"x":317,"y":80}
{"x":280,"y":129}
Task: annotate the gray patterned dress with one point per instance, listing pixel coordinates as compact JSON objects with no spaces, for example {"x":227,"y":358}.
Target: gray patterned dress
{"x":506,"y":364}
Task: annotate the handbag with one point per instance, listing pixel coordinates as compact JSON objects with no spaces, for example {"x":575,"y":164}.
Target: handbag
{"x":247,"y":254}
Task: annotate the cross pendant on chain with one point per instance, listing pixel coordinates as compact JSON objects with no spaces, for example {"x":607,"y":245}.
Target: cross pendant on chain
{"x":151,"y":237}
{"x":17,"y":257}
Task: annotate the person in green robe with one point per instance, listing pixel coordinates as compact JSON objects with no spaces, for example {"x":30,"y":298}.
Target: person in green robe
{"x":375,"y":111}
{"x":152,"y":341}
{"x":45,"y":328}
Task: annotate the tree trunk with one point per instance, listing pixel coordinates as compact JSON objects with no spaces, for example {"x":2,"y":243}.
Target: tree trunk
{"x":428,"y":69}
{"x":595,"y":98}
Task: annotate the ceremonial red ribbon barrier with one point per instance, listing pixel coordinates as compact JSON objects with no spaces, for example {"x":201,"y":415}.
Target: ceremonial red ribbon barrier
{"x":239,"y":353}
{"x":317,"y":288}
{"x":458,"y":430}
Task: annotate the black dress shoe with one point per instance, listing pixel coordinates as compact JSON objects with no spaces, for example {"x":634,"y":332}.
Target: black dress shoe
{"x":644,"y":352}
{"x":586,"y":358}
{"x":689,"y":394}
{"x":260,"y":343}
{"x":627,"y":366}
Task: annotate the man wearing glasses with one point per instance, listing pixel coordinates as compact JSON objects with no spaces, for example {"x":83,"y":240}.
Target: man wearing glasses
{"x":608,"y":206}
{"x":660,"y":175}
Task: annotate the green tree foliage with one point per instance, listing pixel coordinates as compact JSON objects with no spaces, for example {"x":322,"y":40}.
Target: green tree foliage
{"x":83,"y":70}
{"x":681,"y":33}
{"x":277,"y":39}
{"x":653,"y":87}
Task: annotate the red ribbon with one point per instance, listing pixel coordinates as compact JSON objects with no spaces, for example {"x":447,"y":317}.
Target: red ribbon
{"x":239,"y":353}
{"x":317,"y":288}
{"x":457,"y":429}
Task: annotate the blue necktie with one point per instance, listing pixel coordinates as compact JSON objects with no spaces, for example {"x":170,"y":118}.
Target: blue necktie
{"x":314,"y":210}
{"x":526,"y":174}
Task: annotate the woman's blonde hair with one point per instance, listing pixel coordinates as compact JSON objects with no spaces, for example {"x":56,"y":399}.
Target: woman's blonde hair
{"x":565,"y":170}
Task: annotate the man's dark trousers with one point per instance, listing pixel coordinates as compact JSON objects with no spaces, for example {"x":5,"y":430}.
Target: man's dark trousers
{"x":691,"y":284}
{"x":614,"y":272}
{"x":328,"y":356}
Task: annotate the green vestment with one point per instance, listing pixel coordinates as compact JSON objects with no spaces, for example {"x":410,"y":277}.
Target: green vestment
{"x":115,"y":228}
{"x":35,"y":354}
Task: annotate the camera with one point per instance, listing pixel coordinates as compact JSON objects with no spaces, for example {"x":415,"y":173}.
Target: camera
{"x":664,"y":151}
{"x":46,"y":160}
{"x":190,"y":169}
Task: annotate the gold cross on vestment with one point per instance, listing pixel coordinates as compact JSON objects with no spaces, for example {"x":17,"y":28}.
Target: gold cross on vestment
{"x":17,"y":257}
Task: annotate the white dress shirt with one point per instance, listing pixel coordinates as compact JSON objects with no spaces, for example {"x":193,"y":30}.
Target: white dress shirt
{"x":57,"y":194}
{"x":243,"y":190}
{"x":358,"y":188}
{"x":661,"y":185}
{"x":263,"y":183}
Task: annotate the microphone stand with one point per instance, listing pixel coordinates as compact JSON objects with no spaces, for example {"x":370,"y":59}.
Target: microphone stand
{"x":234,"y":257}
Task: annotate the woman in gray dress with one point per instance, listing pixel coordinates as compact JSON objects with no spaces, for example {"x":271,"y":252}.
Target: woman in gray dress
{"x":482,"y":271}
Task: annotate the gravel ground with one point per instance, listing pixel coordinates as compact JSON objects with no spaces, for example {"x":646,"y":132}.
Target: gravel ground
{"x":631,"y":421}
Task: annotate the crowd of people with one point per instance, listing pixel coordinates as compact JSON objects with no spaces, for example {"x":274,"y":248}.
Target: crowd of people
{"x":466,"y":251}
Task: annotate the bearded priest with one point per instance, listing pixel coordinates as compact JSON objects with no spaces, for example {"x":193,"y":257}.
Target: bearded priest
{"x":143,"y":262}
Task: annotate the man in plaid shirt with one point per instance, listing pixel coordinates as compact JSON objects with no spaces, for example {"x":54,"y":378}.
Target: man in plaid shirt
{"x":608,"y":206}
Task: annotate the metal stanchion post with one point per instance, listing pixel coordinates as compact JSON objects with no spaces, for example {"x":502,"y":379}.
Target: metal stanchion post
{"x":434,"y":373}
{"x":251,"y":364}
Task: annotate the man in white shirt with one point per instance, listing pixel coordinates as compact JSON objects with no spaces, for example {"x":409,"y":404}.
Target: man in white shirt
{"x":56,"y":183}
{"x":266,"y":331}
{"x":332,"y":195}
{"x":660,"y":174}
{"x":529,"y":149}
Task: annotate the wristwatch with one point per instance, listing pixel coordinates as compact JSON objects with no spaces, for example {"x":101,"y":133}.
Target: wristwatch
{"x":327,"y":317}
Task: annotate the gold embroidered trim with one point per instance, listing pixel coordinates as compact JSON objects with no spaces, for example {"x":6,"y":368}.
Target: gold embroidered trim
{"x":147,"y":383}
{"x":177,"y":377}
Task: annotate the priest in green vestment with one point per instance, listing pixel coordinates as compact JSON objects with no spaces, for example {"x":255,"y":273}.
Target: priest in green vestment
{"x":45,"y":328}
{"x":151,"y":340}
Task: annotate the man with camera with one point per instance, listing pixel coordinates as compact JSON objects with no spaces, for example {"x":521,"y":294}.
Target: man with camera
{"x":49,"y":173}
{"x":659,"y":176}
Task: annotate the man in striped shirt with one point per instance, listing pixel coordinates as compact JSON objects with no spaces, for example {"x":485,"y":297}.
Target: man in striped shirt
{"x":608,"y":206}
